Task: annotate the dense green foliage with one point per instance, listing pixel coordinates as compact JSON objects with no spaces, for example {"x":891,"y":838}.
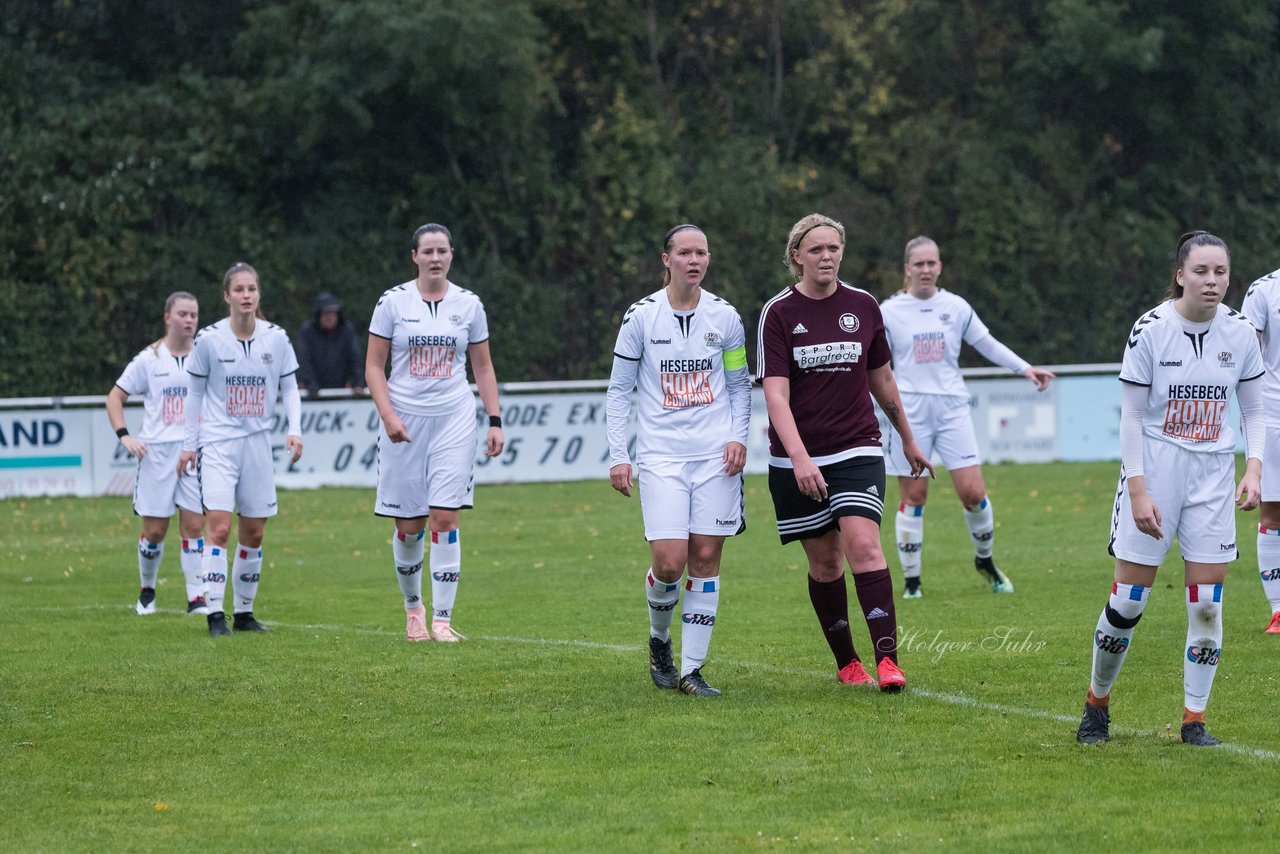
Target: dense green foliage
{"x":1054,"y":148}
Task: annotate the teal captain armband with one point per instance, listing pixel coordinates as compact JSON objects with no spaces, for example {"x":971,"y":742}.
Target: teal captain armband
{"x":735,"y":358}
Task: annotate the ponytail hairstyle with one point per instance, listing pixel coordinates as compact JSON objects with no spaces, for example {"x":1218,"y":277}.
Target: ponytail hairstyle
{"x":168,"y":307}
{"x":428,"y":228}
{"x":242,"y":267}
{"x":912,"y":244}
{"x":1186,"y":243}
{"x":798,"y":231}
{"x":666,"y":246}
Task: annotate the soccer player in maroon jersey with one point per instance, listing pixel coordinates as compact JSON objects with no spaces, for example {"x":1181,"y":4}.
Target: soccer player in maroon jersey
{"x":822,"y":349}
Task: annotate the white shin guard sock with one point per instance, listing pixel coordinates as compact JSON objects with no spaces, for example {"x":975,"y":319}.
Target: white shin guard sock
{"x":407,"y":550}
{"x":149,"y":556}
{"x":909,"y":528}
{"x":1204,"y":644}
{"x":446,"y":568}
{"x":1113,"y":634}
{"x":246,"y":571}
{"x":215,"y":576}
{"x":698,"y":618}
{"x":192,"y":561}
{"x":662,"y":597}
{"x":982,"y":527}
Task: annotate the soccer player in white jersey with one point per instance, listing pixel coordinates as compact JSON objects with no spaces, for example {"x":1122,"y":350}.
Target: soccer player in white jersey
{"x":238,"y":367}
{"x":1262,"y":307}
{"x":430,"y":327}
{"x":684,"y":350}
{"x":926,"y":326}
{"x":159,"y":374}
{"x":1184,"y":360}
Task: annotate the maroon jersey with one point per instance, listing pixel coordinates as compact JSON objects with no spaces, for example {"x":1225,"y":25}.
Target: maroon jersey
{"x":825,"y":348}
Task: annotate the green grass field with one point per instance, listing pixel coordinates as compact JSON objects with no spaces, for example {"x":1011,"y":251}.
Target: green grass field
{"x":120,"y":732}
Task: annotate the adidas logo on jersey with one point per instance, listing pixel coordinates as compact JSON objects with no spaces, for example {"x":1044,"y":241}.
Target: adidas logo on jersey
{"x":876,"y":614}
{"x":872,"y":490}
{"x":799,"y":329}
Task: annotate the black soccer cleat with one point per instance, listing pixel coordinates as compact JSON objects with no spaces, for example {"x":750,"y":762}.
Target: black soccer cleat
{"x":1095,"y":725}
{"x":987,"y":568}
{"x":246,"y":623}
{"x":1196,"y":734}
{"x":146,"y":602}
{"x":218,"y":625}
{"x":695,"y":685}
{"x":661,"y":668}
{"x":197,"y":606}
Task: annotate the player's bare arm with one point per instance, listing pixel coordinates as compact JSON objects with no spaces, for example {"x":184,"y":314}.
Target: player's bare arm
{"x":777,"y":398}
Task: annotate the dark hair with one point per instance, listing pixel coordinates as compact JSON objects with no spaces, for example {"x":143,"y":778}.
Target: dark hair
{"x":238,"y":267}
{"x":666,"y":246}
{"x":1186,"y":243}
{"x":428,"y":229}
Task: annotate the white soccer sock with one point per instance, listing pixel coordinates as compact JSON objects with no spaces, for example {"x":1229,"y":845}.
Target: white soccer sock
{"x":1204,"y":644}
{"x":1115,"y":630}
{"x":909,"y":526}
{"x":149,"y":555}
{"x":662,"y":604}
{"x":408,"y":549}
{"x":446,"y":567}
{"x":982,"y":527}
{"x":698,"y":615}
{"x":1269,"y":565}
{"x":192,"y":567}
{"x":245,"y":572}
{"x":215,"y":577}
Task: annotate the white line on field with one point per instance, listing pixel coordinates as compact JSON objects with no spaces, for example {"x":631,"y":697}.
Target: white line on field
{"x":938,"y":696}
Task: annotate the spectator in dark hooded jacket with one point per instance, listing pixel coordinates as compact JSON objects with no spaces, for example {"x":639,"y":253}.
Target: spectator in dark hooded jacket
{"x":328,"y":349}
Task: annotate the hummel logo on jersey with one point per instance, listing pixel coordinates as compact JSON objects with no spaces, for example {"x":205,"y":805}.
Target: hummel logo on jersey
{"x":410,"y":319}
{"x":799,"y":330}
{"x":226,"y":361}
{"x":876,"y":614}
{"x":1177,"y":364}
{"x":659,"y":340}
{"x":872,"y":490}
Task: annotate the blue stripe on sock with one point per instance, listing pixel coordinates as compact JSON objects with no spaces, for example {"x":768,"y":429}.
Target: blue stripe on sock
{"x":1217,"y":592}
{"x":1135,"y":592}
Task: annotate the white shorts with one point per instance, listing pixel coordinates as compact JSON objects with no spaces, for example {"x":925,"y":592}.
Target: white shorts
{"x":679,"y":498}
{"x":239,"y":475}
{"x":941,"y":425}
{"x":1271,"y":465}
{"x":157,"y":489}
{"x":433,"y":469}
{"x":1195,"y":494}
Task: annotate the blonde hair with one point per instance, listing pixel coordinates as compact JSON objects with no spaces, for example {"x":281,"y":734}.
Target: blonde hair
{"x":912,"y":245}
{"x":798,"y":231}
{"x":168,"y":307}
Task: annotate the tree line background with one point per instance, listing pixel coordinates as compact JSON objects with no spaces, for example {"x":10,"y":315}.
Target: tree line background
{"x":1054,"y":148}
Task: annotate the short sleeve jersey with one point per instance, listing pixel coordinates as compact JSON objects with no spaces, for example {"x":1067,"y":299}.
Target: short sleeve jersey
{"x":161,"y":378}
{"x":925,"y":337}
{"x":1191,"y":370}
{"x":1262,"y":307}
{"x":683,"y":406}
{"x":242,"y":378}
{"x":429,"y":340}
{"x":825,"y":348}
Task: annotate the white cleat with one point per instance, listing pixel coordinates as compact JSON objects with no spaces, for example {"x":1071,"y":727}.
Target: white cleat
{"x":442,"y":632}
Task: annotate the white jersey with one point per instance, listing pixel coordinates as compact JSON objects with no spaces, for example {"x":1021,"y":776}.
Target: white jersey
{"x":1191,"y":370}
{"x":688,"y":407}
{"x":429,"y":340}
{"x":161,"y":378}
{"x":242,"y":379}
{"x":925,"y":336}
{"x":1262,"y":307}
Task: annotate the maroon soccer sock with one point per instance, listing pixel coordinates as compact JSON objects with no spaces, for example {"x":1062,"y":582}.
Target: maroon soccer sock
{"x":831,"y":603}
{"x":875,"y":595}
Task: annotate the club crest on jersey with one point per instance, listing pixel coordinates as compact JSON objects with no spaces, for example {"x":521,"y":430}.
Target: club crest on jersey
{"x":455,"y":319}
{"x":266,"y":358}
{"x":1224,"y":359}
{"x":712,"y":339}
{"x":849,"y":322}
{"x":944,"y":318}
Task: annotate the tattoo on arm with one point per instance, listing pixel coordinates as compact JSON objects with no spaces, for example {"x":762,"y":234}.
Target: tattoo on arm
{"x":891,"y":412}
